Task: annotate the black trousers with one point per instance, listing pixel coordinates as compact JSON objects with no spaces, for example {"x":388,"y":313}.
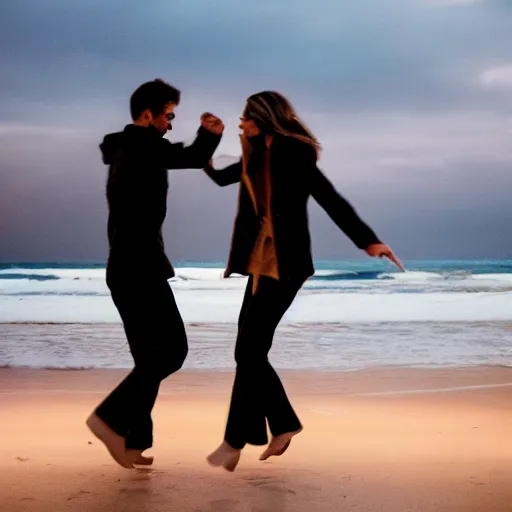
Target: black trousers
{"x":258,"y":395}
{"x":158,"y":343}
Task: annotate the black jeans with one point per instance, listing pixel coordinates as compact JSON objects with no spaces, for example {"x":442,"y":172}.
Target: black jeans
{"x":258,"y":395}
{"x":158,"y":343}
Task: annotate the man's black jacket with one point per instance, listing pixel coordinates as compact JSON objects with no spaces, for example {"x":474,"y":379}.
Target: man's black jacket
{"x":137,"y":187}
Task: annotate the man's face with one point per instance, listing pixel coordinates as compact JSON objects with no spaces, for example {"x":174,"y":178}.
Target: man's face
{"x":162,"y":122}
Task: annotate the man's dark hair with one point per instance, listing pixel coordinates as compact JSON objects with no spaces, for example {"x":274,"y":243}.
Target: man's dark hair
{"x":154,"y":96}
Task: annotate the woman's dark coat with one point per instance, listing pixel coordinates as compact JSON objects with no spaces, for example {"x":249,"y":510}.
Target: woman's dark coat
{"x":294,"y":178}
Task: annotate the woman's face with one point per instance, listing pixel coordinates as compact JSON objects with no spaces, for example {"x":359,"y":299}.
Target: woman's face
{"x":248,"y":127}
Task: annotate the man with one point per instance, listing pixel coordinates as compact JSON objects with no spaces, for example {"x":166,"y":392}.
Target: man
{"x":138,"y":269}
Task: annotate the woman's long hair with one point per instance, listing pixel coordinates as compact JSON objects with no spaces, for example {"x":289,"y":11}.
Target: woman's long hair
{"x":273,"y":113}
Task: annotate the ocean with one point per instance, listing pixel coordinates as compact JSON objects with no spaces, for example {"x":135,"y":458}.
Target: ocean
{"x":350,"y":315}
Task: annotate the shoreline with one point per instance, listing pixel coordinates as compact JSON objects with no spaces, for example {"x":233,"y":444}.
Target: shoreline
{"x":302,"y":347}
{"x":284,"y":323}
{"x":370,"y":381}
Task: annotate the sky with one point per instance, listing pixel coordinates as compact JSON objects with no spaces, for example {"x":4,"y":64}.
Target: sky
{"x":411,"y":100}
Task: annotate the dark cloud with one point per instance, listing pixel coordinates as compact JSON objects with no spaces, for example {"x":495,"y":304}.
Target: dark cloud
{"x":394,"y":90}
{"x":363,"y":55}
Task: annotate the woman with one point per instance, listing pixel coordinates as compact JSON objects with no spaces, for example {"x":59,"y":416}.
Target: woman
{"x":271,"y":244}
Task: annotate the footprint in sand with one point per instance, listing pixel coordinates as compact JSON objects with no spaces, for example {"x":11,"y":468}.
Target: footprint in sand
{"x":135,"y":492}
{"x":77,"y":495}
{"x":258,"y":481}
{"x":224,"y":506}
{"x":270,"y":493}
{"x":262,"y":478}
{"x":278,"y":489}
{"x":269,"y":483}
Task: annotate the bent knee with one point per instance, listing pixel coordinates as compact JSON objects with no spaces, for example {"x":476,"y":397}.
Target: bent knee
{"x":177,"y":359}
{"x":171,"y":361}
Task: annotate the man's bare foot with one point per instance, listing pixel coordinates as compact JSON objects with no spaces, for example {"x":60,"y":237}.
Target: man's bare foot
{"x":224,"y":456}
{"x":137,"y":459}
{"x":279,"y":444}
{"x":114,"y":442}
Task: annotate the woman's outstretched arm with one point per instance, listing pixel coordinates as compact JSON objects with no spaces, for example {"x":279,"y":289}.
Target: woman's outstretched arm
{"x":347,"y":219}
{"x":341,"y":211}
{"x":227,"y":176}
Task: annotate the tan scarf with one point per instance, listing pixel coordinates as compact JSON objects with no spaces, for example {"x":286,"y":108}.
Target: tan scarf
{"x":263,"y":260}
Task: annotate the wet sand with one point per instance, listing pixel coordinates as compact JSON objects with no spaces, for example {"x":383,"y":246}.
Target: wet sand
{"x":396,"y":440}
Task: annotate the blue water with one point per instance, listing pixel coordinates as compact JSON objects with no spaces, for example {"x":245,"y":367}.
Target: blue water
{"x":355,"y":270}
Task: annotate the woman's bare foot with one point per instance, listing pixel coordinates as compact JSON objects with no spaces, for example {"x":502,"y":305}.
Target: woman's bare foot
{"x":224,"y":456}
{"x":114,"y":442}
{"x":279,"y":444}
{"x":137,"y":459}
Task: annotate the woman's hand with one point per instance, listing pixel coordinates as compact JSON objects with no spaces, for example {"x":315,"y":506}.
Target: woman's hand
{"x":382,"y":250}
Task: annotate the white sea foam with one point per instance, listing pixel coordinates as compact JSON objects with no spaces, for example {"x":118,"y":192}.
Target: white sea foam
{"x":204,"y":295}
{"x":214,"y":306}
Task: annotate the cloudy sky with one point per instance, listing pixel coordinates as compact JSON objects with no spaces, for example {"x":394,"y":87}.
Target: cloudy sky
{"x":411,"y":99}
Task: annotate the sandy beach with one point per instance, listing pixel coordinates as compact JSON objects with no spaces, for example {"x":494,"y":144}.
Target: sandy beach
{"x":397,"y":440}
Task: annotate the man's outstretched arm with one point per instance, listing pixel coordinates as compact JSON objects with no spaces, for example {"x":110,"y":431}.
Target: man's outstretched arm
{"x":198,"y":154}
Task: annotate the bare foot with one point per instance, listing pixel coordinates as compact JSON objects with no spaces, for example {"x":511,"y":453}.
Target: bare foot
{"x":114,"y":442}
{"x":224,"y":456}
{"x":137,"y":459}
{"x":279,"y":444}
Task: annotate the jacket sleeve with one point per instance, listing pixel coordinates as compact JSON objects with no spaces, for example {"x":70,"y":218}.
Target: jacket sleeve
{"x":340,"y":210}
{"x":227,"y":176}
{"x":178,"y":156}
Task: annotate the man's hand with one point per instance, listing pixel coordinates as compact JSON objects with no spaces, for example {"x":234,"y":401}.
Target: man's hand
{"x":212,"y":123}
{"x":382,"y":250}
